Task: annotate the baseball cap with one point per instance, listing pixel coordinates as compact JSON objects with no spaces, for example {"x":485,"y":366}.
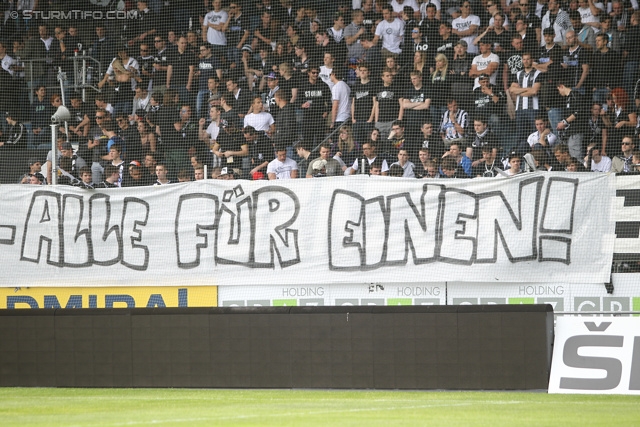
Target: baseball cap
{"x":462,"y":43}
{"x":272,"y":75}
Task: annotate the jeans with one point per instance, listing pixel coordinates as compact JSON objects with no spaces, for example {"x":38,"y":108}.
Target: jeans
{"x":385,"y":129}
{"x":574,"y":142}
{"x":629,"y":77}
{"x":436,"y":116}
{"x":202,"y":100}
{"x":555,"y":117}
{"x":96,"y":172}
{"x":600,"y":95}
{"x":526,"y":123}
{"x":185,"y":95}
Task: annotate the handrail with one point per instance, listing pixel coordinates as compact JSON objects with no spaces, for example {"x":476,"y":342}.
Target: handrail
{"x":80,"y":62}
{"x":329,"y":136}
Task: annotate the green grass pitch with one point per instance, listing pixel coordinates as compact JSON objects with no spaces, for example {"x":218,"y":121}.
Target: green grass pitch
{"x":188,"y":407}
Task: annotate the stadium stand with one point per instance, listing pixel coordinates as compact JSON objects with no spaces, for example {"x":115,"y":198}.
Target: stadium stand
{"x":184,"y":76}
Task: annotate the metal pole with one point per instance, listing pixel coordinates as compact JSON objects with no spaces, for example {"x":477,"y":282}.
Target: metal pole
{"x":75,"y":70}
{"x":61,"y":77}
{"x":84,"y":76}
{"x":54,"y":155}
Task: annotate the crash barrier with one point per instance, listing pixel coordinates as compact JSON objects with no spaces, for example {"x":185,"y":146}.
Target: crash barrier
{"x":415,"y":347}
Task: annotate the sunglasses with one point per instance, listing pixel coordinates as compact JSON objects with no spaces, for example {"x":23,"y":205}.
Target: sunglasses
{"x":627,"y":143}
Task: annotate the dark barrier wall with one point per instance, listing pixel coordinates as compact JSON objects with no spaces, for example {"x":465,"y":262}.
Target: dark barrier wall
{"x":403,"y":347}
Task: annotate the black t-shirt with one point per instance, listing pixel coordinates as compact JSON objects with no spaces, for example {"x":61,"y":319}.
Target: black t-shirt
{"x":181,"y":64}
{"x":261,"y":150}
{"x":165,"y":117}
{"x":431,"y":30}
{"x":370,"y":19}
{"x":488,"y":139}
{"x":554,"y":54}
{"x":388,"y":105}
{"x":230,"y":139}
{"x":445,"y":46}
{"x":162,"y":59}
{"x":513,"y":60}
{"x":320,"y":96}
{"x":549,"y":94}
{"x":363,"y":95}
{"x":146,"y":22}
{"x":484,"y":104}
{"x":292,"y":83}
{"x":574,"y":61}
{"x":231,"y":117}
{"x":132,"y":141}
{"x":236,"y":29}
{"x":207,"y":68}
{"x":415,"y":118}
{"x":503,"y":39}
{"x":440,"y":89}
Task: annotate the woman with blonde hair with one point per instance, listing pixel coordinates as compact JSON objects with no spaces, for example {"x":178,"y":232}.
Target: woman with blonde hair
{"x":346,"y":148}
{"x":420,"y":62}
{"x":287,"y":81}
{"x":440,"y":83}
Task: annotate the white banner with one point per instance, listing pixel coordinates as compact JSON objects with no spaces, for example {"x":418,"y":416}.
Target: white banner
{"x":537,"y":227}
{"x":596,"y":355}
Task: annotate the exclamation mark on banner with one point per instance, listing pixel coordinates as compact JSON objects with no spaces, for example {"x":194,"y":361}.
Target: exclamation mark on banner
{"x":557,"y":220}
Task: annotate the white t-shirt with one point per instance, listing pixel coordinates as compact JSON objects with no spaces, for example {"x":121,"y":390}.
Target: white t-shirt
{"x":7,"y":62}
{"x":482,"y":63}
{"x":213,"y":130}
{"x":131,"y":65}
{"x":214,"y":36}
{"x":586,"y":16}
{"x":463,"y":24}
{"x":603,"y":166}
{"x":385,"y":165}
{"x":260,"y":122}
{"x":534,"y":139}
{"x":397,"y":7}
{"x":282,"y":169}
{"x":423,"y":7}
{"x":391,"y":34}
{"x":342,"y":93}
{"x":408,"y":169}
{"x":325,"y":75}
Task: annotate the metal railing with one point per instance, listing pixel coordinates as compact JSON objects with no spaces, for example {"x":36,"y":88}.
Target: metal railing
{"x":87,"y":72}
{"x":328,"y":137}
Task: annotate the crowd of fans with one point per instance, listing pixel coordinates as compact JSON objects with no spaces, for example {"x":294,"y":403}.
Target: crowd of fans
{"x":268,"y":89}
